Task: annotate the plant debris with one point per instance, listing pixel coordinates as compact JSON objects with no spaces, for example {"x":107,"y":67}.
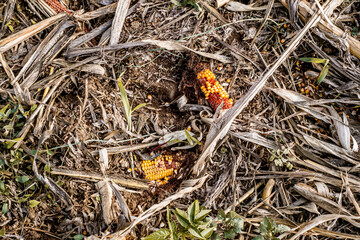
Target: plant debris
{"x":112,"y":112}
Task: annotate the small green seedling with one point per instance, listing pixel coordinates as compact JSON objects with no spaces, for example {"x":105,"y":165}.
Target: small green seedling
{"x":325,"y":69}
{"x":281,"y":159}
{"x":192,"y":140}
{"x":127,"y":107}
{"x":195,"y":223}
{"x":269,"y":229}
{"x":233,"y":224}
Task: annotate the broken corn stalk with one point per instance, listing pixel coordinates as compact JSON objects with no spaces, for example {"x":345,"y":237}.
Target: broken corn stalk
{"x":161,"y":168}
{"x":214,"y":92}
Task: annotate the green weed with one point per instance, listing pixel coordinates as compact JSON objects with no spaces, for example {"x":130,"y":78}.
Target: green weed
{"x":281,"y":159}
{"x":195,"y":223}
{"x":127,"y":107}
{"x":325,"y":69}
{"x":269,"y":229}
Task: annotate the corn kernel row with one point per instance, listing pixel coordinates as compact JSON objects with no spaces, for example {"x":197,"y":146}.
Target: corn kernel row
{"x":214,"y":92}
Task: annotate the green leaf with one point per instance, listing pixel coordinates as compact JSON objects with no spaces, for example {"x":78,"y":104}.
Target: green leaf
{"x":192,"y":210}
{"x":232,"y":215}
{"x":3,"y":110}
{"x":4,"y":208}
{"x":191,"y":139}
{"x":313,"y":60}
{"x":2,"y":232}
{"x":182,"y":213}
{"x":182,"y":220}
{"x":323,"y":74}
{"x":33,"y":203}
{"x":172,"y":227}
{"x":195,"y":232}
{"x":258,"y":238}
{"x":11,"y":143}
{"x":207,"y":232}
{"x":24,"y":199}
{"x":229,"y":234}
{"x":265,"y":226}
{"x":201,"y":225}
{"x":2,"y":186}
{"x":78,"y":237}
{"x":221,"y":214}
{"x":197,"y":207}
{"x":177,"y":3}
{"x":168,"y":215}
{"x":272,"y":224}
{"x":9,"y":127}
{"x":195,"y":140}
{"x":23,"y":179}
{"x":281,"y":228}
{"x":161,"y":234}
{"x":215,"y":236}
{"x":126,"y":104}
{"x":174,"y":236}
{"x":138,"y":107}
{"x":49,"y":152}
{"x":33,"y":107}
{"x":47,"y":168}
{"x":20,"y":124}
{"x":237,"y":224}
{"x":188,"y":137}
{"x":202,"y":214}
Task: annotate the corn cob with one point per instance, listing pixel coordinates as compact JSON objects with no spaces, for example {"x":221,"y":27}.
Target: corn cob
{"x":161,"y":168}
{"x":214,"y":92}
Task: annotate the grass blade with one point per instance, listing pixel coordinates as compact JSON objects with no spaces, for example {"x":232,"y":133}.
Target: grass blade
{"x":126,"y":103}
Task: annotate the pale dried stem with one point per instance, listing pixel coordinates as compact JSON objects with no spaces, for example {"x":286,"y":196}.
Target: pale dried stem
{"x":305,"y":11}
{"x":18,"y":37}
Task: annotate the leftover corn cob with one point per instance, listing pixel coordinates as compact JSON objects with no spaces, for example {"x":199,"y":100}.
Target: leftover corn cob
{"x":214,"y":92}
{"x":161,"y":168}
